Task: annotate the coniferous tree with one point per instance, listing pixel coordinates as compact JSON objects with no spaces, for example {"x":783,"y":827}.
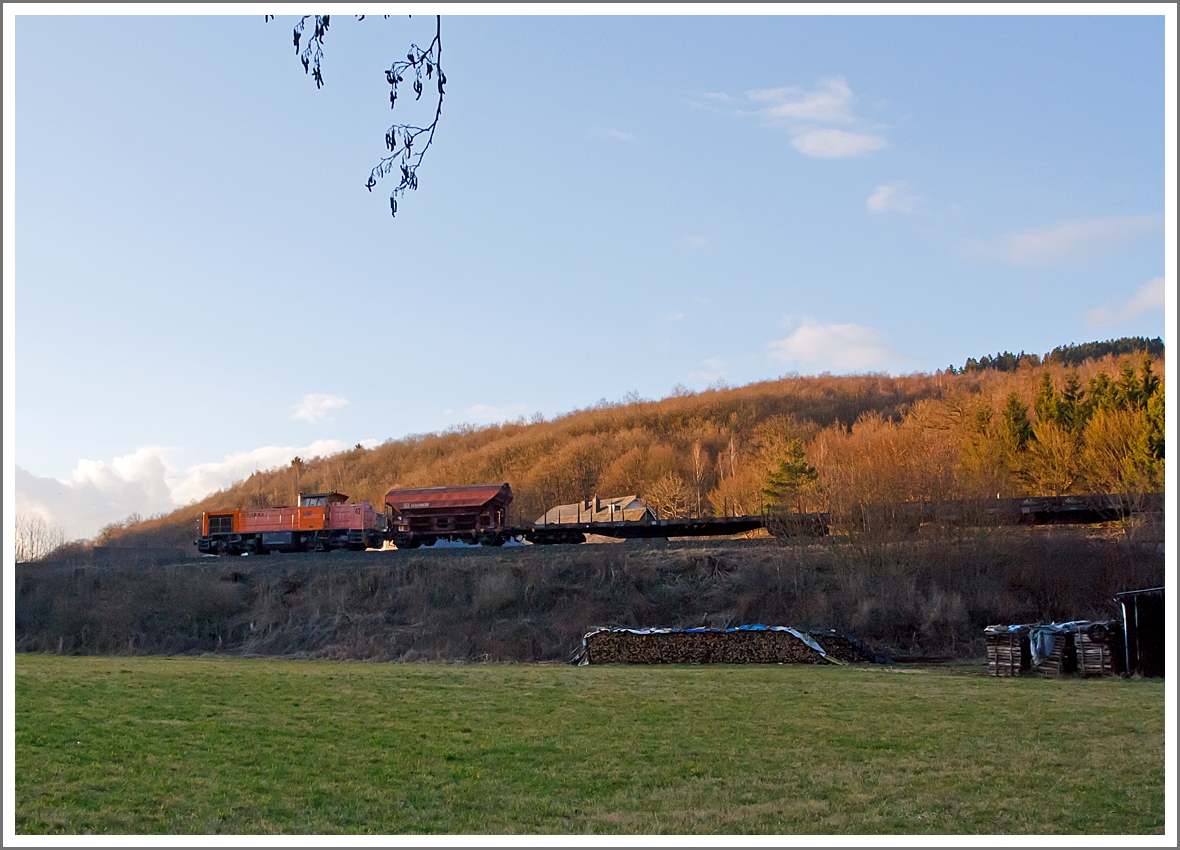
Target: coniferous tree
{"x":1047,"y":402}
{"x":788,"y":478}
{"x":1155,"y":420}
{"x":1128,"y":390}
{"x":1017,"y":429}
{"x":1102,"y":393}
{"x":1072,"y":411}
{"x":1150,"y":380}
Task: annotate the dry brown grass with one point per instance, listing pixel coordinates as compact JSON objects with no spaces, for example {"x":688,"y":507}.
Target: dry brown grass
{"x":931,"y":595}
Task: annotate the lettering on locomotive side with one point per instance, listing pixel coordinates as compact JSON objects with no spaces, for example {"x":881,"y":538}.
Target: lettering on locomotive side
{"x":418,"y":505}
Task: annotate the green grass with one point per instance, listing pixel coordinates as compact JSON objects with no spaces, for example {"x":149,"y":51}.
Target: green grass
{"x":206,"y":745}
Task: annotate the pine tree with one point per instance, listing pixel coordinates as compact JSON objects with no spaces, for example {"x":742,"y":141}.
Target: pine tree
{"x":1150,"y":381}
{"x":1155,"y":423}
{"x":1072,"y":409}
{"x":1017,"y":429}
{"x":788,"y":478}
{"x":1047,"y":402}
{"x":1102,"y":392}
{"x":1128,"y":390}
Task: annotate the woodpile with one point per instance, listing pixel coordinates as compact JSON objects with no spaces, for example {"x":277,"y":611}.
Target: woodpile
{"x":845,"y":648}
{"x":743,"y":645}
{"x":1007,"y":650}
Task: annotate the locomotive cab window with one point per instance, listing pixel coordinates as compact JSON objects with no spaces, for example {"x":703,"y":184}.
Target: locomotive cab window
{"x":221,"y":524}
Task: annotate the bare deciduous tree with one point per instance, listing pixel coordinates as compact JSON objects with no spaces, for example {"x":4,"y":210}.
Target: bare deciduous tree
{"x":669,"y":496}
{"x":36,"y":538}
{"x":700,"y":462}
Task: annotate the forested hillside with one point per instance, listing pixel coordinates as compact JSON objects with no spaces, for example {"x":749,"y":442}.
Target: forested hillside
{"x":811,"y":443}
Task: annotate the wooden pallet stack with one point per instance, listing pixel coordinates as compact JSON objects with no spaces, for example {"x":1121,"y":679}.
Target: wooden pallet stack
{"x":714,"y":646}
{"x":1054,"y":666}
{"x":1080,"y":647}
{"x":1093,"y":649}
{"x":1083,"y":648}
{"x":1007,"y":650}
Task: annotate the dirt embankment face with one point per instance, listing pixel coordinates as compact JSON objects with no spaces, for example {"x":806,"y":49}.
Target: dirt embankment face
{"x":926,"y":597}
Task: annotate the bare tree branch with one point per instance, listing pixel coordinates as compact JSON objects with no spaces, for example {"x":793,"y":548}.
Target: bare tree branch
{"x":313,"y":51}
{"x":407,"y":143}
{"x":400,"y":139}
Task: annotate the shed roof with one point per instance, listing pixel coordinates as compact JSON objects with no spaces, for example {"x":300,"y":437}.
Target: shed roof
{"x":1138,"y":592}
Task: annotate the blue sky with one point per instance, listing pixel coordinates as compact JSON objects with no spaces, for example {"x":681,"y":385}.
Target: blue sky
{"x":612,"y":204}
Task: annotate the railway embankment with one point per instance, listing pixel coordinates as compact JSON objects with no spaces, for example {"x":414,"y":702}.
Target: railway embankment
{"x":925,"y":597}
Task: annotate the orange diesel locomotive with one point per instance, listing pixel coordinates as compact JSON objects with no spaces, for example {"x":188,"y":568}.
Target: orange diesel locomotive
{"x":320,"y":522}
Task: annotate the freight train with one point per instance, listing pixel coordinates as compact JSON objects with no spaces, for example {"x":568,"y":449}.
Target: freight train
{"x":422,"y":516}
{"x":478,"y":514}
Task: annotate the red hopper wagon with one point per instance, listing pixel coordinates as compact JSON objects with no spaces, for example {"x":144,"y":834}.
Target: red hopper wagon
{"x":474,"y":513}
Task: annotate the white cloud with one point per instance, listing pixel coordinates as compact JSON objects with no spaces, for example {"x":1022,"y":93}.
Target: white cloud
{"x":673,"y":317}
{"x":828,"y":104}
{"x":808,"y":117}
{"x":892,"y":197}
{"x":204,"y":478}
{"x":1148,"y":297}
{"x":144,"y":467}
{"x":840,"y":348}
{"x":611,"y":133}
{"x":316,"y":407}
{"x":143,"y":482}
{"x":836,"y":144}
{"x":696,"y":241}
{"x":99,"y":493}
{"x":496,"y":412}
{"x":714,"y":370}
{"x":1069,"y":241}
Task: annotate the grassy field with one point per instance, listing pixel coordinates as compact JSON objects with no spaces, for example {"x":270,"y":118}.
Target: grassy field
{"x":217,"y":745}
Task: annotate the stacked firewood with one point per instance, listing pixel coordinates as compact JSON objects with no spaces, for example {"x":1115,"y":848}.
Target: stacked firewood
{"x":842,"y":647}
{"x":1007,"y":650}
{"x":698,"y":646}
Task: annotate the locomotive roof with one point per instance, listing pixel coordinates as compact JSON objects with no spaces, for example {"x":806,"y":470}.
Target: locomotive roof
{"x":462,"y":496}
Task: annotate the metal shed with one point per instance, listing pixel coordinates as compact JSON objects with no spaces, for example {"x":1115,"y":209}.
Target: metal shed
{"x":1143,"y":631}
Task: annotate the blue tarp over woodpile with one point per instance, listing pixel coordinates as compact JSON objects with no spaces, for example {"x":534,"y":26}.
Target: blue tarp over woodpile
{"x":751,"y":644}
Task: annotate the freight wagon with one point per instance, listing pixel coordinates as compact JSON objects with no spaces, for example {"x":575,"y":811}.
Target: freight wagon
{"x":319,"y":523}
{"x":476,"y":513}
